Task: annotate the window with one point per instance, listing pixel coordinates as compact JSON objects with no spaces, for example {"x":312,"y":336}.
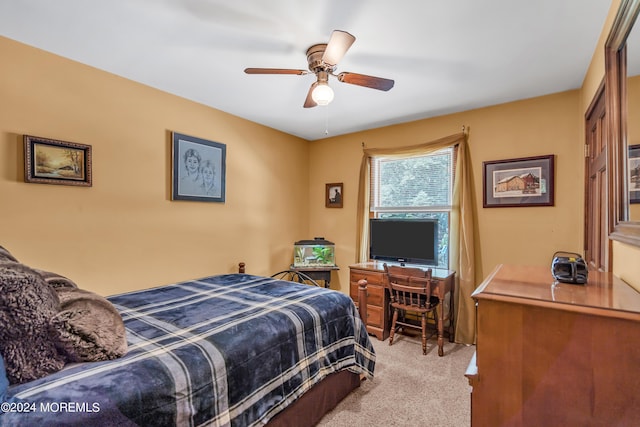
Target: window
{"x":420,"y":186}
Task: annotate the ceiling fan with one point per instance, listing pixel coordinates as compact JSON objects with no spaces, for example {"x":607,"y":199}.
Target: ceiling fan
{"x":323,"y":59}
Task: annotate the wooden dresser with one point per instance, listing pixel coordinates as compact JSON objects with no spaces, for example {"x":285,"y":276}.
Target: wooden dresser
{"x":378,"y":318}
{"x":555,"y":355}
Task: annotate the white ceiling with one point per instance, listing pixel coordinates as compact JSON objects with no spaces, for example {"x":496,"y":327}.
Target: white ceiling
{"x":445,"y":56}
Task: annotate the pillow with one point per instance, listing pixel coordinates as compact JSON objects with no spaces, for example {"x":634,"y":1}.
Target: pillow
{"x":56,"y":280}
{"x":27,"y":304}
{"x":5,"y":255}
{"x":88,"y":328}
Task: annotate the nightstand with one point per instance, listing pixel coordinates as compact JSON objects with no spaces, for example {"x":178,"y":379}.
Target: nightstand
{"x":317,"y":273}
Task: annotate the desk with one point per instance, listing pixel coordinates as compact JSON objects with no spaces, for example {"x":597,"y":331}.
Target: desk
{"x":317,"y":273}
{"x":377,"y":298}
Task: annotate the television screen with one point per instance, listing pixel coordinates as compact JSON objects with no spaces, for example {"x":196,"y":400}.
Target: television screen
{"x":412,"y":241}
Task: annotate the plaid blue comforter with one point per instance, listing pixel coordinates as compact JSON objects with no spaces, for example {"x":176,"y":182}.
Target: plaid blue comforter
{"x":224,"y":350}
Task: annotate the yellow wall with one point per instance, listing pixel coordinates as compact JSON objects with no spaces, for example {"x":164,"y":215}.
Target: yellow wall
{"x":125,"y":233}
{"x":625,"y":263}
{"x":523,"y":235}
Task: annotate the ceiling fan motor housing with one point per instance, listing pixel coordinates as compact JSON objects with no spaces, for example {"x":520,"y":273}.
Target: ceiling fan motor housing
{"x":314,"y":58}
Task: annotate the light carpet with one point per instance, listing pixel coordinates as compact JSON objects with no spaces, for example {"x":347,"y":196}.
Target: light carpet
{"x":410,"y":388}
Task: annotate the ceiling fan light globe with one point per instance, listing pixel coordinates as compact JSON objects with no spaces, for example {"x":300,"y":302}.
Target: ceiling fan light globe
{"x":322,"y":94}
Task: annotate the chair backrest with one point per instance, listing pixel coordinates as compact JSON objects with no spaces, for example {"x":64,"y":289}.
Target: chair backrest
{"x":409,"y":287}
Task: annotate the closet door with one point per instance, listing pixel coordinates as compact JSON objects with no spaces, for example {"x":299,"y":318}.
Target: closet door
{"x":597,"y":245}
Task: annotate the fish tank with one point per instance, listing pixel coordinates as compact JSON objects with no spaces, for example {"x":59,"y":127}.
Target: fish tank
{"x":314,"y":253}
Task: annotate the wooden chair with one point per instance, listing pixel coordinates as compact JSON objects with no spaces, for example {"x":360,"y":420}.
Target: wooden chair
{"x":410,"y":292}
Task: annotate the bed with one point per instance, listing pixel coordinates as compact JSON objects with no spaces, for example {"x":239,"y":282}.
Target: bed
{"x":224,"y":350}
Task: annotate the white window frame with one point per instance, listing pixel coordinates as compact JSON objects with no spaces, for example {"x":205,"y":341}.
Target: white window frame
{"x":377,"y":211}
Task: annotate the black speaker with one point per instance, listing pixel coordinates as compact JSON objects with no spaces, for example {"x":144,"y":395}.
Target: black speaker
{"x":569,"y":267}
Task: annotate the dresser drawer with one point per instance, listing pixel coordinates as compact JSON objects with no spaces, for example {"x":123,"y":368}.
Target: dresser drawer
{"x":375,"y":294}
{"x":375,"y":316}
{"x":372,"y":278}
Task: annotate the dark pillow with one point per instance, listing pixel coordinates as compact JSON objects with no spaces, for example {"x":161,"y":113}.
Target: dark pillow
{"x":27,"y":303}
{"x":88,"y":327}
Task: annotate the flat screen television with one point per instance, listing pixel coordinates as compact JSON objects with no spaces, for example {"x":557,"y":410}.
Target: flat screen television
{"x":406,"y":241}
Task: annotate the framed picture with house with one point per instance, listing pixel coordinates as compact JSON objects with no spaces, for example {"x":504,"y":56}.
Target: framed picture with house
{"x":526,"y":181}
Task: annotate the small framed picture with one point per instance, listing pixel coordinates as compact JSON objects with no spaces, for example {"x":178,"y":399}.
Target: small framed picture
{"x":198,"y":169}
{"x":526,"y":181}
{"x":333,"y":195}
{"x":634,"y":173}
{"x":49,"y":161}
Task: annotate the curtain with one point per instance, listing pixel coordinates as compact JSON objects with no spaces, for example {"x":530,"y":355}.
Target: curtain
{"x":461,"y":245}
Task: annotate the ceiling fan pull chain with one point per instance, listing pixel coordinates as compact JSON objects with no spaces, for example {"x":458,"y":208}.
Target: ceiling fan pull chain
{"x":326,"y":123}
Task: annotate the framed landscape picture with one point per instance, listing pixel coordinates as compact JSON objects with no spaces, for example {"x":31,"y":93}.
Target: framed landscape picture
{"x":526,"y":181}
{"x":198,"y":169}
{"x":50,"y":161}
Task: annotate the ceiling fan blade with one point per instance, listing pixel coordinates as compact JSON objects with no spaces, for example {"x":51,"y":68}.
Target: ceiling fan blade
{"x":274,"y":71}
{"x":367,"y":81}
{"x":309,"y":102}
{"x":339,"y":43}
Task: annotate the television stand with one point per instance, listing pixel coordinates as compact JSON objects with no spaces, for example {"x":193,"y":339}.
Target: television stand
{"x":377,"y":298}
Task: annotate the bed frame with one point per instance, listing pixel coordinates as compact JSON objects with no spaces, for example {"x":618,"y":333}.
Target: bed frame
{"x":361,"y":304}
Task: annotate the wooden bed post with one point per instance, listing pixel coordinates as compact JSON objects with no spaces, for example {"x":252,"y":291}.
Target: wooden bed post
{"x":362,"y":299}
{"x":241,"y":267}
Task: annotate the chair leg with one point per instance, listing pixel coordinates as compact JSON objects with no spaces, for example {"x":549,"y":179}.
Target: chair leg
{"x":424,"y":333}
{"x":393,"y":325}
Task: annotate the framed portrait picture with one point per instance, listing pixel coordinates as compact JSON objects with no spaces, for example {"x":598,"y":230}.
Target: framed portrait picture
{"x":198,"y":169}
{"x":634,"y":173}
{"x":50,"y":161}
{"x":333,"y":195}
{"x":526,"y":181}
